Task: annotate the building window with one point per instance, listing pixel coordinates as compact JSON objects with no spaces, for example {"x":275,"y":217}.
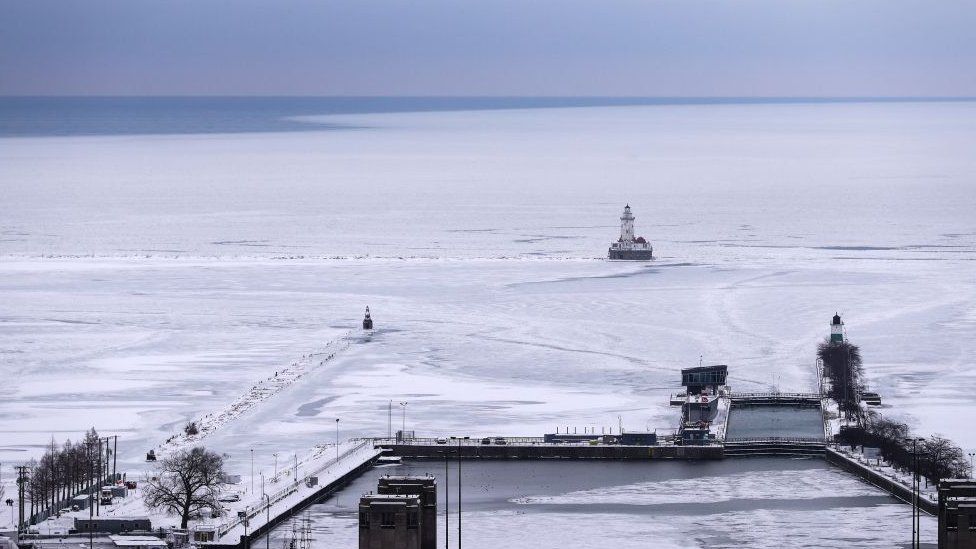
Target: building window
{"x":387,"y":520}
{"x":363,"y":519}
{"x":412,"y":521}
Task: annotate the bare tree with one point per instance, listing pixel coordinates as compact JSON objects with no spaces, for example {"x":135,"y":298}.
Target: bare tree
{"x":186,"y":483}
{"x":942,"y":459}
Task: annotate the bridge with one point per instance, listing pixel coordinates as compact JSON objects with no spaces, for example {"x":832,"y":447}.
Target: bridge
{"x":775,"y":446}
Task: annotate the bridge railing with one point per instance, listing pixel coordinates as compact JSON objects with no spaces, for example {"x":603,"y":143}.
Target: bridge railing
{"x":290,"y":488}
{"x":428,"y":441}
{"x":791,"y":440}
{"x":784,"y":396}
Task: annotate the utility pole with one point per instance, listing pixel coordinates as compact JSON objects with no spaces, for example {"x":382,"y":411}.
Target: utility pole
{"x":252,"y":470}
{"x":459,"y":493}
{"x":337,"y":440}
{"x":267,"y":521}
{"x":21,"y":496}
{"x":91,"y":492}
{"x":389,"y":420}
{"x":115,"y":459}
{"x":98,"y":480}
{"x":447,"y":500}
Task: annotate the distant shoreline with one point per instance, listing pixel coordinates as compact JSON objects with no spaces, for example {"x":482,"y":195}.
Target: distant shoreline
{"x":60,"y":116}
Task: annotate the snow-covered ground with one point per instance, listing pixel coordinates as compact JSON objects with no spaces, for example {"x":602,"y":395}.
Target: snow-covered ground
{"x":146,"y":281}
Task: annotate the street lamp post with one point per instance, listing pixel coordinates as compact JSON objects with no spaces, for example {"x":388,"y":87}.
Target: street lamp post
{"x":459,"y":493}
{"x":252,"y":470}
{"x":971,"y":454}
{"x":337,"y":440}
{"x":403,"y":420}
{"x":916,"y":495}
{"x":267,"y":521}
{"x":276,"y":466}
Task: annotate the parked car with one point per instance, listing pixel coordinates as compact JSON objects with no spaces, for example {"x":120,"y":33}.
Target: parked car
{"x":500,"y":441}
{"x":486,"y":440}
{"x":442,"y":441}
{"x":229,"y":498}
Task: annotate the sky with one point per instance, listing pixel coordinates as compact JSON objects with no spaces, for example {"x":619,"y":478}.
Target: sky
{"x":489,"y":47}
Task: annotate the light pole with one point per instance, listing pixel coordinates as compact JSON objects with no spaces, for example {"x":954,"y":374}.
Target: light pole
{"x":447,"y":498}
{"x":459,"y":493}
{"x":971,"y":454}
{"x":252,"y":470}
{"x":267,"y":521}
{"x":276,"y":466}
{"x":337,"y":440}
{"x":403,"y":420}
{"x":916,"y":495}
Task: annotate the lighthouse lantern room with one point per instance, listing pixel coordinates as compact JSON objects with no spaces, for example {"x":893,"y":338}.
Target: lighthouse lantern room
{"x":836,"y":329}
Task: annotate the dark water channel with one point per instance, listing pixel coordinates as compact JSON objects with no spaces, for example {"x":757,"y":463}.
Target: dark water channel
{"x":774,"y":421}
{"x":751,"y":502}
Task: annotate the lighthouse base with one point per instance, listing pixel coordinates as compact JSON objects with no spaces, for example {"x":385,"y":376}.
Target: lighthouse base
{"x":631,"y":255}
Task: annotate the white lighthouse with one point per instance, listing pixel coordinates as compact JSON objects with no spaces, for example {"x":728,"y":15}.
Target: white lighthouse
{"x":836,"y":329}
{"x":628,"y":246}
{"x":627,"y":225}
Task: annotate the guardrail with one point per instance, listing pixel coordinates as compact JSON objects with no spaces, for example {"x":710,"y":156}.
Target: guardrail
{"x":287,"y":490}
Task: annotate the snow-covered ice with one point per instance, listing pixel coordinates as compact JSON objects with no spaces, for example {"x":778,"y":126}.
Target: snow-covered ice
{"x":146,"y":281}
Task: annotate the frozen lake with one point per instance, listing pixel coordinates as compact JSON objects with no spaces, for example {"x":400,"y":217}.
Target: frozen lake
{"x":150,"y":279}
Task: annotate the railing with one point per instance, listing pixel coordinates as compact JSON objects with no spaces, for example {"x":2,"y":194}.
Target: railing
{"x":287,"y":490}
{"x":780,"y":396}
{"x":464,"y":441}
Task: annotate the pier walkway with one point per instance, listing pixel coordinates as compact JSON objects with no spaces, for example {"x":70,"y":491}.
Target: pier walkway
{"x":317,"y":477}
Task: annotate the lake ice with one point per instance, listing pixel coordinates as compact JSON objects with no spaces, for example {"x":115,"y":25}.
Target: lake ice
{"x":147,"y":280}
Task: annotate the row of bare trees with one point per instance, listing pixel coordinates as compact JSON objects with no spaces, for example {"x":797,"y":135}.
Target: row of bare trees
{"x":937,"y":457}
{"x":65,"y":471}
